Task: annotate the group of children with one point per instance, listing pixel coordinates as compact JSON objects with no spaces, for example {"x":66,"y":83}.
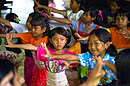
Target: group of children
{"x":46,"y":65}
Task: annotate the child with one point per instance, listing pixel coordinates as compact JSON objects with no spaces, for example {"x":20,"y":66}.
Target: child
{"x":73,"y":14}
{"x":38,"y":34}
{"x":99,"y":45}
{"x":121,"y":33}
{"x":110,"y":13}
{"x":58,"y":38}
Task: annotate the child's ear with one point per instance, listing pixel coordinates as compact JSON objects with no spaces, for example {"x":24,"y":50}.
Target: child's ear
{"x":44,"y":29}
{"x":107,"y":45}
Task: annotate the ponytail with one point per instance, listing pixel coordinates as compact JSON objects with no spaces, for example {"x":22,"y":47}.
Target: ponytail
{"x":111,"y":50}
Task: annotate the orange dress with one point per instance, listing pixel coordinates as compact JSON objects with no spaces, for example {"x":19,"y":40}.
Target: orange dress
{"x":118,"y":40}
{"x":28,"y":38}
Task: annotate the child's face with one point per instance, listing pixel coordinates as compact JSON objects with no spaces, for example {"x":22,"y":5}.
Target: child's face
{"x":74,"y":5}
{"x":28,"y":25}
{"x":37,"y":31}
{"x":87,"y":17}
{"x":95,"y":46}
{"x":114,"y":6}
{"x":58,"y":41}
{"x":121,"y":21}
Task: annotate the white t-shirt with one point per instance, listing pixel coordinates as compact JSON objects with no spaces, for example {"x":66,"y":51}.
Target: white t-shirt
{"x":74,"y":16}
{"x":19,"y":28}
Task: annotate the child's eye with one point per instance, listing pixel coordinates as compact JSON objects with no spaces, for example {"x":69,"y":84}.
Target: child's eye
{"x":62,"y":39}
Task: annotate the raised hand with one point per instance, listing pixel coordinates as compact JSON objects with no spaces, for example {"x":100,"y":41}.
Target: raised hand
{"x":48,"y":55}
{"x":36,"y":2}
{"x":9,"y":39}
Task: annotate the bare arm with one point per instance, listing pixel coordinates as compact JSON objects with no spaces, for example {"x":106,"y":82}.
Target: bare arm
{"x":14,"y":35}
{"x":24,"y":46}
{"x":68,"y":57}
{"x":5,"y":22}
{"x":62,"y":20}
{"x":48,"y":8}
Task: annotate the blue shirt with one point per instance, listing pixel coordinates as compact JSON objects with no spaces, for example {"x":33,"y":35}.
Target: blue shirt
{"x":86,"y":60}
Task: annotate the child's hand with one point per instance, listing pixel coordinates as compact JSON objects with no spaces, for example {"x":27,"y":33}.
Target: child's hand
{"x":9,"y":39}
{"x":48,"y":55}
{"x":36,"y":2}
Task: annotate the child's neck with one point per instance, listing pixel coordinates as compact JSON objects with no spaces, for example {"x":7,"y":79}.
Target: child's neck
{"x":75,"y":11}
{"x":39,"y":37}
{"x":58,"y":51}
{"x":124,"y":28}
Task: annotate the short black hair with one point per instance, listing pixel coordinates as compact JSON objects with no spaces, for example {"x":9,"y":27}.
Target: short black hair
{"x":61,"y":31}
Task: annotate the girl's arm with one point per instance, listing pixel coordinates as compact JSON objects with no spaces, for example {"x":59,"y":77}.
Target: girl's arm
{"x":24,"y":46}
{"x":80,"y":38}
{"x":48,"y":8}
{"x":62,"y":20}
{"x":111,"y":66}
{"x":5,"y":22}
{"x":14,"y":35}
{"x":69,"y":57}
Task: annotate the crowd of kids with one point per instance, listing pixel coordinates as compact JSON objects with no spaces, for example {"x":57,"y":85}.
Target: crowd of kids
{"x":99,"y":54}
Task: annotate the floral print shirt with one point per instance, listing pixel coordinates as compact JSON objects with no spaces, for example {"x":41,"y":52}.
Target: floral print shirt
{"x":86,"y":59}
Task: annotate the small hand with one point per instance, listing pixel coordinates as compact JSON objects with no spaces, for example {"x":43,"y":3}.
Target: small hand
{"x":48,"y":55}
{"x":9,"y":39}
{"x":36,"y":2}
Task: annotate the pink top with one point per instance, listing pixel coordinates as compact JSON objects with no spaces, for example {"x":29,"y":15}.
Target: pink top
{"x":52,"y":65}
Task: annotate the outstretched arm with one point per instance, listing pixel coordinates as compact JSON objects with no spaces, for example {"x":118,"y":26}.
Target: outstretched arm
{"x":48,"y":8}
{"x":5,"y":22}
{"x":24,"y":46}
{"x":80,"y":38}
{"x":14,"y":35}
{"x":69,"y":57}
{"x":62,"y":20}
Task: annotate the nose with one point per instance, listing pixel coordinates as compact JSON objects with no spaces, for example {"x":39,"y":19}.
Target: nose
{"x":58,"y":41}
{"x":92,"y":45}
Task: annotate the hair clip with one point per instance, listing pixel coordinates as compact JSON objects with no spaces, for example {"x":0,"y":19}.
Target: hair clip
{"x":100,"y":14}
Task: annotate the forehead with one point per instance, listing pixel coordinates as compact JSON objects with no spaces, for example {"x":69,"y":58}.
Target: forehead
{"x":93,"y":38}
{"x":57,"y":35}
{"x":121,"y":16}
{"x":73,"y":0}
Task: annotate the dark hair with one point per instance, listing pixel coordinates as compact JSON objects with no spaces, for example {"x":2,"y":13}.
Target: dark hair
{"x":12,"y":17}
{"x":116,"y":1}
{"x":33,"y":14}
{"x":96,"y":13}
{"x":104,"y":36}
{"x":122,"y":64}
{"x":123,"y":12}
{"x":5,"y":67}
{"x":61,"y":31}
{"x":41,"y":21}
